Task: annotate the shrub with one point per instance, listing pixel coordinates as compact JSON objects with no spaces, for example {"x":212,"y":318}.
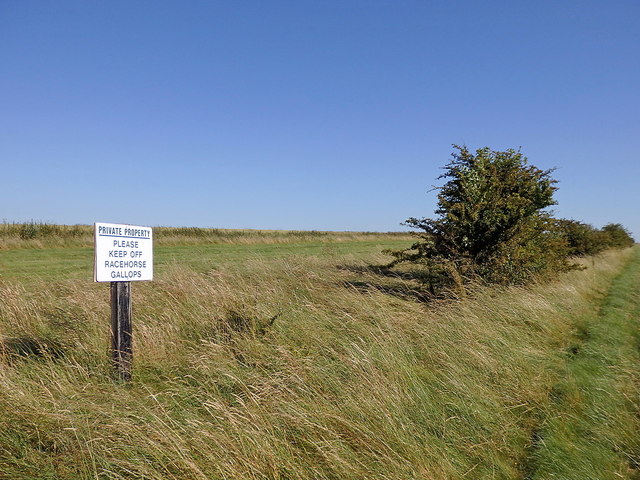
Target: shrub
{"x":616,"y":236}
{"x":582,"y":239}
{"x":490,"y":222}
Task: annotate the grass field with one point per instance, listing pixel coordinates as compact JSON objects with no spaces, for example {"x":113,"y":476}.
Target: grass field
{"x":300,"y":360}
{"x":77,"y":262}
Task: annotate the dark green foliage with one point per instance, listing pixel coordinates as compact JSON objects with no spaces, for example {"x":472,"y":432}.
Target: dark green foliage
{"x":582,"y":239}
{"x":490,"y":221}
{"x":617,"y":236}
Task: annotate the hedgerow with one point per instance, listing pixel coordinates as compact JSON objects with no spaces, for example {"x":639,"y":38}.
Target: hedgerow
{"x":492,"y":224}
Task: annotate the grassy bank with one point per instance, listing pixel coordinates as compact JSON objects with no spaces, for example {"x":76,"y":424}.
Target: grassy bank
{"x":591,"y":427}
{"x":306,"y":365}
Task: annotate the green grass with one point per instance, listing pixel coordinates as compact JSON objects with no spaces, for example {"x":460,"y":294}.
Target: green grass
{"x":355,"y":379}
{"x":590,"y":431}
{"x":74,"y":262}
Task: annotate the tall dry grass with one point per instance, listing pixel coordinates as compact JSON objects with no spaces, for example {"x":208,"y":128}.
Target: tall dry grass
{"x":308,"y":367}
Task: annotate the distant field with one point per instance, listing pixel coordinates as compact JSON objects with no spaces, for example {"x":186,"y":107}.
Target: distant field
{"x":43,"y":235}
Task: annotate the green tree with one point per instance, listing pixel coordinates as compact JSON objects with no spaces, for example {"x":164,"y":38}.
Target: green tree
{"x":490,"y":221}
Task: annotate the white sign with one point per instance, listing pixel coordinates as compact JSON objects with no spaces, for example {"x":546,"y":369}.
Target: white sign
{"x":123,"y":253}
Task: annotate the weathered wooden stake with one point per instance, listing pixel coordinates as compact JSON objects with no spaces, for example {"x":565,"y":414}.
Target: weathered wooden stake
{"x":121,"y":333}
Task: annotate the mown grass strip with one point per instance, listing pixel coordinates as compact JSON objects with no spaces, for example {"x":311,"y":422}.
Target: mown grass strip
{"x":592,"y":427}
{"x":76,"y":263}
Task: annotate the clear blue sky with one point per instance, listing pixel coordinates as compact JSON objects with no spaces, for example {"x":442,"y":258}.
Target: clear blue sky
{"x":331,"y":115}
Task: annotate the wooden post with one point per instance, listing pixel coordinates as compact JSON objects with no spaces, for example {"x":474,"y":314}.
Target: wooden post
{"x":121,"y":333}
